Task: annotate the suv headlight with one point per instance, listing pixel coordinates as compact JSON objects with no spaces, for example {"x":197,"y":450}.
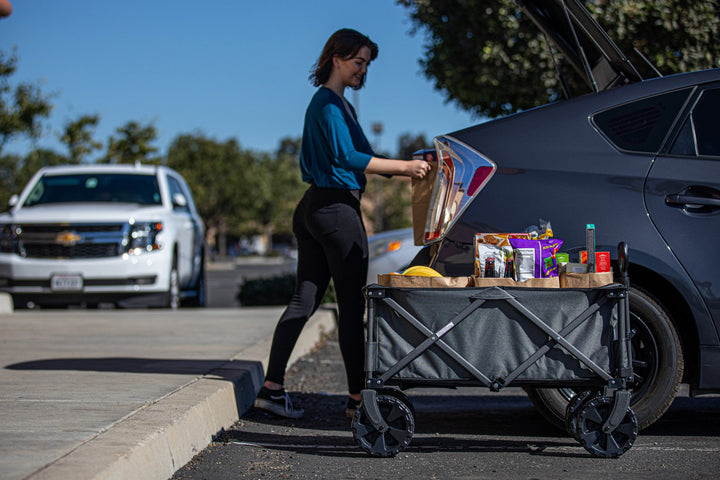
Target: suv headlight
{"x":142,"y":237}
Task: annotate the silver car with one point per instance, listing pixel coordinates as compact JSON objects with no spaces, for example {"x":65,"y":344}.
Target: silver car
{"x":390,"y":251}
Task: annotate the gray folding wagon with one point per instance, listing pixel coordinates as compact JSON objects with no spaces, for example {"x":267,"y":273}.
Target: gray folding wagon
{"x":499,"y":337}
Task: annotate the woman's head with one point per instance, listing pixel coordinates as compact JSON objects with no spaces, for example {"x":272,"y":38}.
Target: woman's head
{"x":343,"y":44}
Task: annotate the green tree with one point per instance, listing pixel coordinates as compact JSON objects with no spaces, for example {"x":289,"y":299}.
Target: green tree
{"x":280,"y":188}
{"x":8,"y":178}
{"x":22,"y":108}
{"x":395,"y":193}
{"x":222,"y":178}
{"x":78,"y":137}
{"x":409,"y":144}
{"x":398,"y":192}
{"x":15,"y":171}
{"x":133,"y":144}
{"x":34,"y":161}
{"x":491,"y":60}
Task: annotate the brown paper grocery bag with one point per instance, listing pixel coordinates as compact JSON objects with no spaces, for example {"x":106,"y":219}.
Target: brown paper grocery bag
{"x":422,"y":189}
{"x":585,"y":280}
{"x":411,"y":281}
{"x":551,"y":282}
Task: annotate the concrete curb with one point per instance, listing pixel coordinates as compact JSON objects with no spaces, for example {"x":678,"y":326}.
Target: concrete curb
{"x":156,"y":440}
{"x":6,"y":303}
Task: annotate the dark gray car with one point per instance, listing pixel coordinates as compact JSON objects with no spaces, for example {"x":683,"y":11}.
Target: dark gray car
{"x":639,"y":159}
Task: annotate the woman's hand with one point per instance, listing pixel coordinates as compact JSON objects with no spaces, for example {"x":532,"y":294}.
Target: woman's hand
{"x":417,"y":168}
{"x":407,"y":168}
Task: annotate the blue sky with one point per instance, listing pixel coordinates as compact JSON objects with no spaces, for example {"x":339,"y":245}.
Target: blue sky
{"x":223,"y":68}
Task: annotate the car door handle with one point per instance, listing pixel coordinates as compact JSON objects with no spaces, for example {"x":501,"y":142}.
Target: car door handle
{"x":680,"y":199}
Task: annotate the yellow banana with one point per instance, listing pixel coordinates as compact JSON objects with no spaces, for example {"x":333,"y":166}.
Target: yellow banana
{"x":421,"y":271}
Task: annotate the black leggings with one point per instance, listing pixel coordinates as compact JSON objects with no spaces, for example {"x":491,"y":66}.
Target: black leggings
{"x":331,"y":243}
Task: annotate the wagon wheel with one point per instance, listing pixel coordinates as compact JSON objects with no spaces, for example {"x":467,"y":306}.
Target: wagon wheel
{"x":576,"y":403}
{"x":590,"y":419}
{"x":400,"y":422}
{"x":400,"y":395}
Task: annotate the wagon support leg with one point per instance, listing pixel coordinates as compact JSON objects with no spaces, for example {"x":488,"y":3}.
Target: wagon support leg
{"x":620,"y":407}
{"x":370,"y":405}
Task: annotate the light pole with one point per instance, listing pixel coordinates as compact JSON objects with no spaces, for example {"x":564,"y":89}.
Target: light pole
{"x":377,"y":129}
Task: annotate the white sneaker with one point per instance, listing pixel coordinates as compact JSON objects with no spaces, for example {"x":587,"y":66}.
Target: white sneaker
{"x":277,"y":402}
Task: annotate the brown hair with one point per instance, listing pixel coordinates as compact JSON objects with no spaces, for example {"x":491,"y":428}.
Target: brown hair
{"x":344,"y":43}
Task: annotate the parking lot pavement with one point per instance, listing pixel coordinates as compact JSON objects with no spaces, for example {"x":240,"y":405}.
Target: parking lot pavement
{"x":127,"y":394}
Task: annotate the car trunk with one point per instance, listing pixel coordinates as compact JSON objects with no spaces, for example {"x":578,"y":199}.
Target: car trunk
{"x":583,"y":42}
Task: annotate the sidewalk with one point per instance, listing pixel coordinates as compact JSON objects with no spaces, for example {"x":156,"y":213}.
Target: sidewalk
{"x":127,"y":394}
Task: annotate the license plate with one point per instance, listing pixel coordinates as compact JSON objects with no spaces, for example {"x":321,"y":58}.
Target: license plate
{"x":66,"y":283}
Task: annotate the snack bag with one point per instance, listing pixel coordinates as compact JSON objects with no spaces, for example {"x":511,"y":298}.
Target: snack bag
{"x":541,"y":232}
{"x":535,"y":257}
{"x":483,"y":252}
{"x":491,"y":244}
{"x":498,"y":239}
{"x":524,"y":263}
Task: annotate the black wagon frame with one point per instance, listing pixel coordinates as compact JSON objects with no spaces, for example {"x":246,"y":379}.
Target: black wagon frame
{"x":497,"y":337}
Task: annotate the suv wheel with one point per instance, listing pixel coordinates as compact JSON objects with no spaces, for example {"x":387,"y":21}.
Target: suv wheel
{"x":198,"y":298}
{"x":173,"y":293}
{"x":657,"y":366}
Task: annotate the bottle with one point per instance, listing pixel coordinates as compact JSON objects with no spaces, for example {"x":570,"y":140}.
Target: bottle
{"x":510,"y":268}
{"x":489,"y":267}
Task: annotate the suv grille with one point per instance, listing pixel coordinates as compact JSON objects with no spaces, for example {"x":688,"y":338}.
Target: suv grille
{"x":71,"y":241}
{"x":77,"y":251}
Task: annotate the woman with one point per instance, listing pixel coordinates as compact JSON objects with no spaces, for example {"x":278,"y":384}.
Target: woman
{"x":335,"y":156}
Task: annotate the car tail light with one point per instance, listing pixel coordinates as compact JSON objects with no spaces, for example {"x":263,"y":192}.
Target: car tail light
{"x":462,"y":173}
{"x":382,"y":246}
{"x":394,"y":245}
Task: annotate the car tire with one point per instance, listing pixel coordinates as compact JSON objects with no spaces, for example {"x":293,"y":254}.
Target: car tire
{"x":657,"y":366}
{"x":172,"y":296}
{"x":198,"y":298}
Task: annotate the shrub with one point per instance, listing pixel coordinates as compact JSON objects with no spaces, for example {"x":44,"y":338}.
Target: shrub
{"x":274,"y":291}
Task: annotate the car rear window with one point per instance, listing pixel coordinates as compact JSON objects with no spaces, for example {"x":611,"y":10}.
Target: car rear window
{"x":641,"y":126}
{"x":79,"y":188}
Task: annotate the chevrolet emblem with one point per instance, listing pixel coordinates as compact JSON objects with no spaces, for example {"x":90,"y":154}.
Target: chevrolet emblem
{"x":67,"y":238}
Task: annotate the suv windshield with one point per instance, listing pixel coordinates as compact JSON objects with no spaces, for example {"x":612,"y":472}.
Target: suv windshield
{"x":101,"y":187}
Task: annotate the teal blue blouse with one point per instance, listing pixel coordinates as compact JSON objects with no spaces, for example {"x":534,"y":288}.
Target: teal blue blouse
{"x":334,"y":151}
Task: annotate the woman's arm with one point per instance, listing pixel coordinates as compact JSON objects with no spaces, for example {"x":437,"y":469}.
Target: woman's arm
{"x":407,"y":168}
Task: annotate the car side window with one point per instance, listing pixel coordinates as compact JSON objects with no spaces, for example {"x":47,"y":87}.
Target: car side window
{"x":641,"y":126}
{"x":700,"y":135}
{"x":685,"y":142}
{"x":704,"y":119}
{"x":175,"y":187}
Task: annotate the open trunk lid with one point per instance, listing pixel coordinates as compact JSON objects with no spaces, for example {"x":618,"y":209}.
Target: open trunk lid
{"x":584,"y":43}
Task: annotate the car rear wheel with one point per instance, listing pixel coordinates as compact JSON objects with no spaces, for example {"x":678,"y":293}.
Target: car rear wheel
{"x":657,"y":367}
{"x":198,"y":298}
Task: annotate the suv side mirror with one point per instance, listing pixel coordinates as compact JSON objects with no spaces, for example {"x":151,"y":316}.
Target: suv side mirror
{"x":13,"y":200}
{"x":179,"y":200}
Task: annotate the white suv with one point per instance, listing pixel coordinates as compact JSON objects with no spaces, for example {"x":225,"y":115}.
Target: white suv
{"x":91,"y":234}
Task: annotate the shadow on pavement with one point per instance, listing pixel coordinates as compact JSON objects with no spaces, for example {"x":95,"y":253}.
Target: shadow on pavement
{"x":482,"y":423}
{"x":136,"y":365}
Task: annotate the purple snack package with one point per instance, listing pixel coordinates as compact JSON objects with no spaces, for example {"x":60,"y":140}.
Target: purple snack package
{"x":542,"y":255}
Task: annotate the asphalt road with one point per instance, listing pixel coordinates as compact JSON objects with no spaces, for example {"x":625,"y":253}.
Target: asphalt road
{"x":224,"y":278}
{"x":464,"y":433}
